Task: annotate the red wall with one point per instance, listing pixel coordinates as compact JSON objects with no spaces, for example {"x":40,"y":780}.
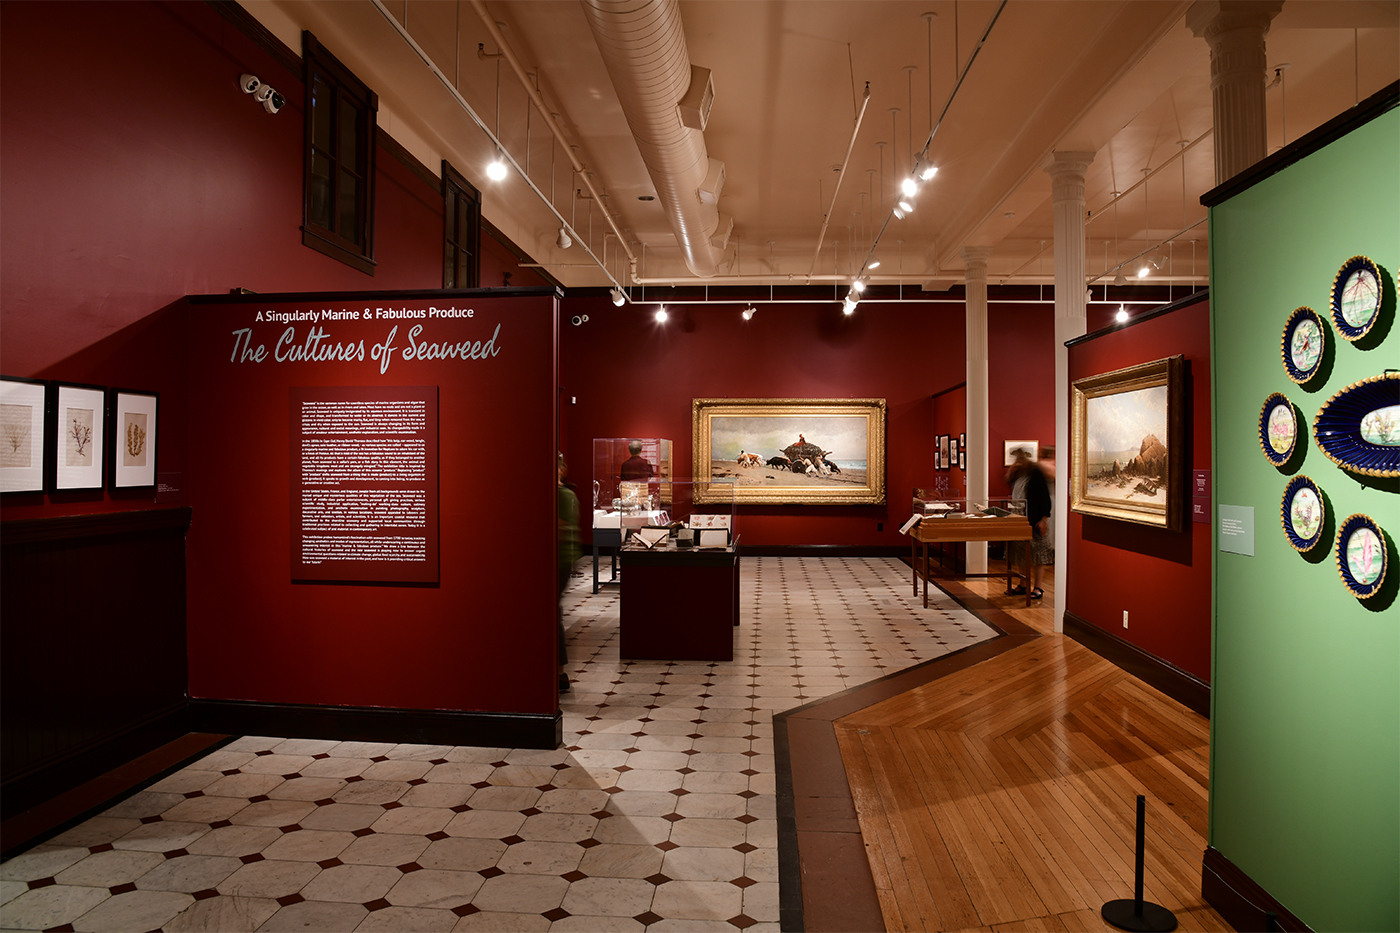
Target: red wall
{"x":1020,"y":382}
{"x":135,"y":173}
{"x":1162,"y":578}
{"x":634,"y":377}
{"x":950,"y":417}
{"x":484,"y":637}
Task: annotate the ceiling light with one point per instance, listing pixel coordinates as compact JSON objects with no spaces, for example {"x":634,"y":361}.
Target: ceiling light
{"x":928,"y":171}
{"x":1120,"y":278}
{"x":858,"y":285}
{"x":661,"y":315}
{"x":1142,"y":273}
{"x":910,"y":187}
{"x":497,"y":171}
{"x":848,"y":307}
{"x":564,"y":241}
{"x":618,"y":298}
{"x":748,"y":313}
{"x":874,"y":264}
{"x":906,"y":205}
{"x":899,"y":214}
{"x":1122,"y":314}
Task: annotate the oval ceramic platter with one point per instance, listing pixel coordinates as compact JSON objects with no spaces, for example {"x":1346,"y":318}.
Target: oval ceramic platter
{"x":1359,"y":428}
{"x":1303,"y":513}
{"x":1356,"y":297}
{"x":1278,"y":429}
{"x":1361,"y":555}
{"x":1304,"y":339}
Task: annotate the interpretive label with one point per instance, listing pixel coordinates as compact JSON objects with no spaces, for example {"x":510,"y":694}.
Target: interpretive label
{"x":1237,"y":529}
{"x":364,"y":487}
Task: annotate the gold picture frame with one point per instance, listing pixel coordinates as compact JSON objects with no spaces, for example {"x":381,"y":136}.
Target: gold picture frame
{"x":780,"y":451}
{"x":1120,"y":465}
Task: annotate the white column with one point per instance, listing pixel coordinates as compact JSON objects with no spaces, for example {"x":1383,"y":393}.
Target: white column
{"x":976,"y":258}
{"x":1238,"y":70}
{"x":1067,"y":184}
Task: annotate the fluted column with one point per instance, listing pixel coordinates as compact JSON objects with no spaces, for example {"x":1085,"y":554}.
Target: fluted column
{"x":1067,"y":186}
{"x":1238,"y":70}
{"x":975,"y":258}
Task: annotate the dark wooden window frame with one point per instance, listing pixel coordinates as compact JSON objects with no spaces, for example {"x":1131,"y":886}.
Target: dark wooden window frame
{"x":457,"y":190}
{"x":345,"y":87}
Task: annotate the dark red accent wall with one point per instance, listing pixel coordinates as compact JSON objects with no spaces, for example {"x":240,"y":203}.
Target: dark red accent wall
{"x":949,"y":417}
{"x":1020,"y":382}
{"x":136,"y":172}
{"x":634,"y":377}
{"x":481,"y":639}
{"x":1161,"y":577}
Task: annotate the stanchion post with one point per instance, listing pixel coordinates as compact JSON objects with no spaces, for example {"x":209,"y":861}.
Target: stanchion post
{"x":1138,"y":915}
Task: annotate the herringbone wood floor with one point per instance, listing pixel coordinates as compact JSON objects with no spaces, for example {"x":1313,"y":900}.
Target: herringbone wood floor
{"x":1003,"y":797}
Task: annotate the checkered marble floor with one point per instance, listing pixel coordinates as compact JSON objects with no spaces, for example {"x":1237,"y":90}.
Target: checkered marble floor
{"x":659,"y":813}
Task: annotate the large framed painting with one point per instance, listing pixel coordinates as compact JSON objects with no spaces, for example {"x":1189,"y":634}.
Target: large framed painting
{"x":1127,"y":433}
{"x":790,"y":450}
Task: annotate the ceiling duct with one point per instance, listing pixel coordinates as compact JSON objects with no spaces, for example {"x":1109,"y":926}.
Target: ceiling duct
{"x":643,"y":46}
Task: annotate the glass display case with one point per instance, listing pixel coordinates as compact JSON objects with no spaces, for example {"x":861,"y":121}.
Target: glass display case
{"x":632,"y":473}
{"x":682,"y":523}
{"x":931,"y":502}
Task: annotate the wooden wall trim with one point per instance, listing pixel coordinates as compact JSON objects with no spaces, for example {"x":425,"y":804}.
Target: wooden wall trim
{"x":379,"y":724}
{"x":1240,"y":899}
{"x":1187,"y":689}
{"x":98,"y":524}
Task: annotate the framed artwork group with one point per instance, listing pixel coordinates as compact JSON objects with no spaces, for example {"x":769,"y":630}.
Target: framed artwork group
{"x":61,"y":437}
{"x":950,"y":451}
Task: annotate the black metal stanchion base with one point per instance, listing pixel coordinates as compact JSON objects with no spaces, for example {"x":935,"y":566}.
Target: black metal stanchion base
{"x":1153,"y":919}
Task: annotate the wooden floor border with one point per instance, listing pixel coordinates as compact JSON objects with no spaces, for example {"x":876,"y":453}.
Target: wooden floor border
{"x":825,"y":882}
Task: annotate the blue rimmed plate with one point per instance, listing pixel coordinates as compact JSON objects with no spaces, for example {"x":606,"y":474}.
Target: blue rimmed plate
{"x":1278,"y":429}
{"x":1304,"y":513}
{"x":1304,"y":339}
{"x":1356,"y":297}
{"x":1361,"y":555}
{"x":1359,"y":428}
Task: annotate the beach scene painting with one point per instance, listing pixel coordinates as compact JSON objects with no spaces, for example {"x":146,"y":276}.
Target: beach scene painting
{"x":1125,"y":445}
{"x":792,"y":450}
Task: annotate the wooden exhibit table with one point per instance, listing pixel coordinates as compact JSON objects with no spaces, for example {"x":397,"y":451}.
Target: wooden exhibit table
{"x":679,"y":604}
{"x":965,"y":528}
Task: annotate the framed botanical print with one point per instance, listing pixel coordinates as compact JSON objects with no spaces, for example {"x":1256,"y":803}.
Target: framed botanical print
{"x":77,"y":432}
{"x":134,"y":434}
{"x":22,"y":449}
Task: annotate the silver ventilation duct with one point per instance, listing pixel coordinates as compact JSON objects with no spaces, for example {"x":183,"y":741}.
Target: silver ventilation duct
{"x":643,"y":47}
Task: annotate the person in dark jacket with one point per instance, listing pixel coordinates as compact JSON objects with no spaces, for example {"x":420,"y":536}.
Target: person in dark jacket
{"x":1030,"y":483}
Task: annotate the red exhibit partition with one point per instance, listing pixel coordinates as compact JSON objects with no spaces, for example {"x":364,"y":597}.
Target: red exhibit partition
{"x":1160,"y":578}
{"x":460,"y":642}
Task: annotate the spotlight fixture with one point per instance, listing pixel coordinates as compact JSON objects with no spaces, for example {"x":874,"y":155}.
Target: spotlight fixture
{"x":848,"y":307}
{"x":1120,"y":278}
{"x":748,"y":313}
{"x":661,"y":315}
{"x":874,"y":264}
{"x":564,"y":241}
{"x":858,"y":285}
{"x":618,"y":298}
{"x":1142,"y":272}
{"x":899,"y":213}
{"x":497,"y":171}
{"x":910,"y":187}
{"x":906,"y":204}
{"x":928,"y":171}
{"x":1122,"y":315}
{"x":578,"y":319}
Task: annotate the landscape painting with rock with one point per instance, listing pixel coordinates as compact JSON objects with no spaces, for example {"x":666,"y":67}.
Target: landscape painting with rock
{"x":1125,"y":445}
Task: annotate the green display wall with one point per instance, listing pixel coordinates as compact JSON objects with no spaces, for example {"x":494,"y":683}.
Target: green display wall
{"x":1305,"y":724}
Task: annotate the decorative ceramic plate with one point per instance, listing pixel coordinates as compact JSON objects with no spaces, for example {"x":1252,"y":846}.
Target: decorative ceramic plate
{"x":1361,"y":555}
{"x":1356,"y":297}
{"x":1304,"y":339}
{"x":1278,"y":429}
{"x":1359,"y":428}
{"x":1303,"y":513}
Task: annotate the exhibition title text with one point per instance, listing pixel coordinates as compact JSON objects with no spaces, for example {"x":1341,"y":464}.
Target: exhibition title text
{"x":317,"y":345}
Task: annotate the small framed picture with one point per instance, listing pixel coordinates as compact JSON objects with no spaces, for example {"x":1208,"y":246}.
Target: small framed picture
{"x":943,"y":449}
{"x":962,"y":458}
{"x":22,"y":450}
{"x":76,"y":431}
{"x":133,"y":430}
{"x":1030,"y":448}
{"x":953,"y":449}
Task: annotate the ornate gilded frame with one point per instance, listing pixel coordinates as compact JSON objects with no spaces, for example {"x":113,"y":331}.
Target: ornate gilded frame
{"x":1164,"y":372}
{"x":763,"y":485}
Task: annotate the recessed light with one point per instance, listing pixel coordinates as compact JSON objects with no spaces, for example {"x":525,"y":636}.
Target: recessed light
{"x":646,"y":197}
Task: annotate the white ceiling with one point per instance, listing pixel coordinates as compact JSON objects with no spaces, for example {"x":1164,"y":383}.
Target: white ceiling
{"x":1125,"y":79}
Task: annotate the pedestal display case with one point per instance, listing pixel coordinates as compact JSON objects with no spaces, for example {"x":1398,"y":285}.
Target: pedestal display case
{"x":941,"y":521}
{"x":680,"y":598}
{"x":631,"y":489}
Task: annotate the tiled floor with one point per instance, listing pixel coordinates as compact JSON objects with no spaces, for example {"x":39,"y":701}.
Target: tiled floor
{"x":659,"y":813}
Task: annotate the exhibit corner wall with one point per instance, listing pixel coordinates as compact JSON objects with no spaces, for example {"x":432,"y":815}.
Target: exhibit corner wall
{"x":482,"y":638}
{"x":1305,"y":725}
{"x":1161,"y":578}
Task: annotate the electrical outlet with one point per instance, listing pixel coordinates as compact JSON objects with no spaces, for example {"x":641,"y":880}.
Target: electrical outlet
{"x":879,"y":526}
{"x":1125,"y":618}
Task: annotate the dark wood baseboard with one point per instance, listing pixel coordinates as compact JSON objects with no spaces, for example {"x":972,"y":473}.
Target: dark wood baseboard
{"x":1187,"y":689}
{"x":378,"y":724}
{"x":36,"y":785}
{"x":1239,"y":898}
{"x":826,"y":550}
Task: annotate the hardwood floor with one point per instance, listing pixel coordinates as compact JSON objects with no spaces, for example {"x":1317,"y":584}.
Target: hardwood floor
{"x":1002,"y":797}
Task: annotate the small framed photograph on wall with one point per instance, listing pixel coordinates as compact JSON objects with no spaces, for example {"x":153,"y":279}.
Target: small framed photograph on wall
{"x":22,"y":451}
{"x":953,"y":449}
{"x":133,"y":430}
{"x":962,"y":458}
{"x":943,"y":444}
{"x":76,"y":423}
